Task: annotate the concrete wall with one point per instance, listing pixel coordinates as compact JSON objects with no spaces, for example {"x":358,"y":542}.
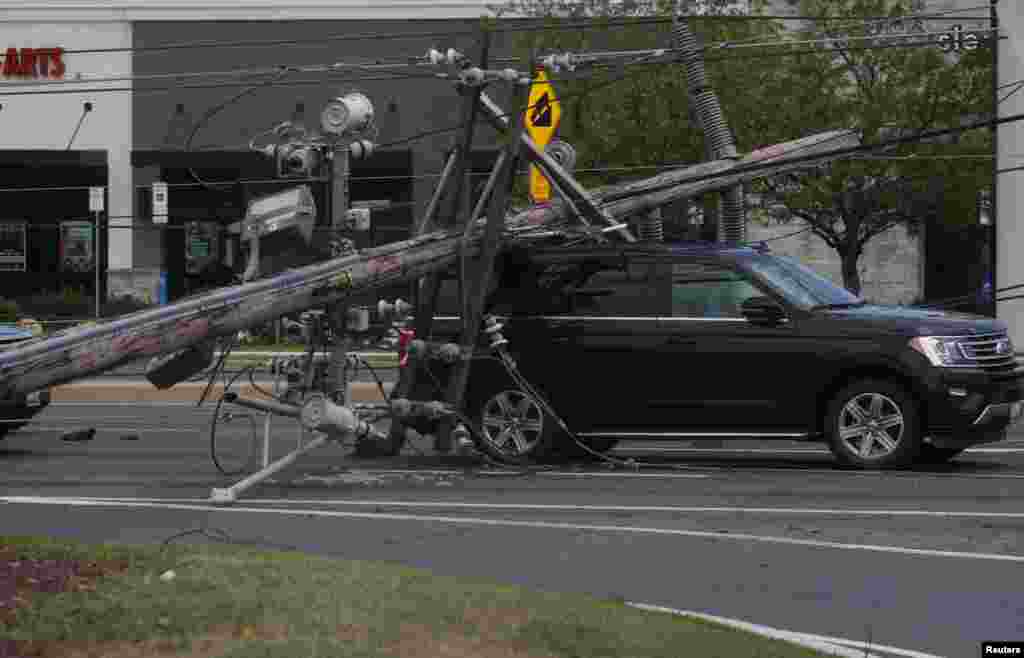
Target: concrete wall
{"x":891,"y":268}
{"x":1010,"y":186}
{"x":47,"y":121}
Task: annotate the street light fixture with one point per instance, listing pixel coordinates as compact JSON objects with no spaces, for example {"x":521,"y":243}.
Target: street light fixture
{"x":346,"y":115}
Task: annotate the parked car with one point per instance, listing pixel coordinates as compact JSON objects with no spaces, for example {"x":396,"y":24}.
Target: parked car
{"x":18,"y":411}
{"x":683,"y":341}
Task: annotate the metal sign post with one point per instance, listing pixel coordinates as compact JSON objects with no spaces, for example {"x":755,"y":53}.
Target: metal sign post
{"x":96,"y":205}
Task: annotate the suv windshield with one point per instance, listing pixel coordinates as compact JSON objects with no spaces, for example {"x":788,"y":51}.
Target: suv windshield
{"x":799,"y":284}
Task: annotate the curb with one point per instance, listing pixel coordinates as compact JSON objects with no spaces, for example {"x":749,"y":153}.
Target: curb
{"x":102,"y":391}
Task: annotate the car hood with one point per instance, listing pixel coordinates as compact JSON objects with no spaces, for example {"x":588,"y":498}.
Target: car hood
{"x":910,"y":321}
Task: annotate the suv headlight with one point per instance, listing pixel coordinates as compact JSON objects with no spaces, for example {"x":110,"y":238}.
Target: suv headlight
{"x":941,"y":351}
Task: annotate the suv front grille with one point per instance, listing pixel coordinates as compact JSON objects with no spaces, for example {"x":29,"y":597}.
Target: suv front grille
{"x":990,"y":352}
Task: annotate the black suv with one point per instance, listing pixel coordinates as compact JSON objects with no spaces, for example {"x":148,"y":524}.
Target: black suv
{"x":677,"y":341}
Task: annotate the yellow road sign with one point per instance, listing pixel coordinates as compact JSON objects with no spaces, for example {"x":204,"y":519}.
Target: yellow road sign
{"x":540,"y":187}
{"x":543,"y":111}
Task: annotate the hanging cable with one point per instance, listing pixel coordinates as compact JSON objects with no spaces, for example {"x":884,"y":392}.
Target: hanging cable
{"x":214,"y":111}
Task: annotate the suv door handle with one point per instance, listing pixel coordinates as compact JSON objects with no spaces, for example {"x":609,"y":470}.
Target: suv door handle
{"x":679,"y":340}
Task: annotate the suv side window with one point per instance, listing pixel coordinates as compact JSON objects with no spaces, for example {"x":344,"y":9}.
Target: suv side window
{"x":633,"y":289}
{"x":708,"y":290}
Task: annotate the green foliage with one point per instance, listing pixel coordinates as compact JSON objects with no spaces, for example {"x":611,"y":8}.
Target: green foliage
{"x":643,"y":117}
{"x":9,"y":311}
{"x":76,"y":304}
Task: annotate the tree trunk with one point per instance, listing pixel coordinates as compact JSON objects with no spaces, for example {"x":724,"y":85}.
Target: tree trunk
{"x":851,"y":276}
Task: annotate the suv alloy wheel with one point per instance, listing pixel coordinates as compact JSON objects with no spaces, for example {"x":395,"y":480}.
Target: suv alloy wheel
{"x":874,"y":424}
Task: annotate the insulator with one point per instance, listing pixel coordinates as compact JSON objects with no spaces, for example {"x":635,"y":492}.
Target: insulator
{"x":685,"y":41}
{"x":563,"y":153}
{"x":358,"y":318}
{"x":435,"y":56}
{"x":361,"y":149}
{"x":492,"y":328}
{"x":651,"y":228}
{"x":399,"y":308}
{"x":713,"y":123}
{"x":473,"y":76}
{"x":733,"y":220}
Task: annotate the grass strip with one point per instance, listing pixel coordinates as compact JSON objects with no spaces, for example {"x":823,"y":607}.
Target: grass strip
{"x":232,"y":601}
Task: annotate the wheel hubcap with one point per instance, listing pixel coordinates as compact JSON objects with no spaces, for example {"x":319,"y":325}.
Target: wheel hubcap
{"x":871,"y":426}
{"x":513,"y":423}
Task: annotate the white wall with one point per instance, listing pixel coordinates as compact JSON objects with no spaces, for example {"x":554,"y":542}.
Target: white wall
{"x":1010,"y":195}
{"x":47,"y":121}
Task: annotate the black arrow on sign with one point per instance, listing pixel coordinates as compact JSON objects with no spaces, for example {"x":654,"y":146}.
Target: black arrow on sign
{"x":541,"y":117}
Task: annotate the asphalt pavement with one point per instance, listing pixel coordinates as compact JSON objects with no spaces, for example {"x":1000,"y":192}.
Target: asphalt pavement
{"x":927,"y":562}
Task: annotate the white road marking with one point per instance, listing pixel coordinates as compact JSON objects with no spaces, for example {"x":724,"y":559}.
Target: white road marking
{"x":512,"y":470}
{"x":443,"y":504}
{"x":104,"y":428}
{"x":852,"y":648}
{"x":543,"y":525}
{"x":777,"y":451}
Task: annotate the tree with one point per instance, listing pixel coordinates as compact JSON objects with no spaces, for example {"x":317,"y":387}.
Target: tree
{"x":883,"y":88}
{"x":618,"y":117}
{"x":884,"y":92}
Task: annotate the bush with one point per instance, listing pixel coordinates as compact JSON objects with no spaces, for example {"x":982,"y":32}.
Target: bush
{"x":74,"y":304}
{"x":9,"y":311}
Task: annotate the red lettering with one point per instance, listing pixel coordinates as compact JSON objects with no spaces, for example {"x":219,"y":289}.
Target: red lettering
{"x":12,"y":66}
{"x":58,"y":63}
{"x":28,"y":62}
{"x":43,"y":59}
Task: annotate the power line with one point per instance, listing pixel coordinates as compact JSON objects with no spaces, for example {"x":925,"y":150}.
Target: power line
{"x":411,"y":61}
{"x":306,"y":68}
{"x":328,"y":71}
{"x":596,"y":23}
{"x":197,"y":45}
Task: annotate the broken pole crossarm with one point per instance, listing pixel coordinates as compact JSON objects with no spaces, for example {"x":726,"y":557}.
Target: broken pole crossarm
{"x":561,"y":180}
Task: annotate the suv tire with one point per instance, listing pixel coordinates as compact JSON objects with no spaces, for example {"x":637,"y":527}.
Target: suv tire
{"x":510,"y":425}
{"x":872,"y":424}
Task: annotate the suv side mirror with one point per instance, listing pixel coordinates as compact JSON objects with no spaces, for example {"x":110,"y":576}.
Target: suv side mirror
{"x":762,"y":310}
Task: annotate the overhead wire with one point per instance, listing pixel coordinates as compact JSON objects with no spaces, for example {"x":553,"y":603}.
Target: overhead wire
{"x":26,"y":88}
{"x":565,"y":24}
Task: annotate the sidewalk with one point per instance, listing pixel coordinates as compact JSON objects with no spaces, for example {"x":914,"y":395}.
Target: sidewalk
{"x":140,"y":390}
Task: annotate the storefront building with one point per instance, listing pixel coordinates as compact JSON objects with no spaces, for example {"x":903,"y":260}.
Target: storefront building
{"x":96,"y":97}
{"x":56,"y":141}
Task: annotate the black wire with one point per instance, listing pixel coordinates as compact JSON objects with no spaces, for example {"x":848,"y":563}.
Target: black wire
{"x":212,"y":112}
{"x":259,"y":389}
{"x":215,"y":372}
{"x":213,"y":426}
{"x":594,"y":23}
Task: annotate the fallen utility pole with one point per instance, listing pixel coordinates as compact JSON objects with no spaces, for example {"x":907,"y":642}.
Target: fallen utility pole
{"x":83,"y":351}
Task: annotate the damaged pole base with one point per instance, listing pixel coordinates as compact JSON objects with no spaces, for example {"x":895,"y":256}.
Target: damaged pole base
{"x":331,"y":421}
